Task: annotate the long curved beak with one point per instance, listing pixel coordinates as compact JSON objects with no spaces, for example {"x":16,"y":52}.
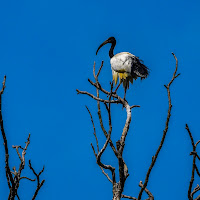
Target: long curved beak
{"x":106,"y":42}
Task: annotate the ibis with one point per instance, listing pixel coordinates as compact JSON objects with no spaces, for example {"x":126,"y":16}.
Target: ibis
{"x":125,"y":66}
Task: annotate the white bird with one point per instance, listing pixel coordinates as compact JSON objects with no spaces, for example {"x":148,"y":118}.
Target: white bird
{"x":125,"y":65}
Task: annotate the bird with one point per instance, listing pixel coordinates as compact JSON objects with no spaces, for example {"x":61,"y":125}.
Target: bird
{"x":124,"y":65}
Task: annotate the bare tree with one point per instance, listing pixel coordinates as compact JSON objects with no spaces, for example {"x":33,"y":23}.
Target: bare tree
{"x":118,"y":149}
{"x":14,"y":177}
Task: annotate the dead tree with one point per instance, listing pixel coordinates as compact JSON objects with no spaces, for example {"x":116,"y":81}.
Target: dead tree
{"x":118,"y":149}
{"x":14,"y":177}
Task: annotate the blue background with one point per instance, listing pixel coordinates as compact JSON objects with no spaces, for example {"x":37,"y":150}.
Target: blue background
{"x":47,"y":50}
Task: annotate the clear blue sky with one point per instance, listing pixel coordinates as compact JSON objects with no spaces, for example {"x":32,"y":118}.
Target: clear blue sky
{"x":47,"y":50}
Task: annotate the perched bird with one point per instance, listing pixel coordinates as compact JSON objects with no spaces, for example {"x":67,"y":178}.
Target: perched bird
{"x":125,"y":65}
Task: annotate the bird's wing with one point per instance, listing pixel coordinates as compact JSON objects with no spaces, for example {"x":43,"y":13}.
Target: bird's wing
{"x":121,"y":62}
{"x":139,"y":68}
{"x":129,"y":63}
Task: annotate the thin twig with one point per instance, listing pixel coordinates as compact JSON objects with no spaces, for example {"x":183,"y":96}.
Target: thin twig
{"x":24,"y":177}
{"x":17,"y":150}
{"x":134,"y":106}
{"x":3,"y":85}
{"x":100,"y":69}
{"x":196,"y":189}
{"x":18,"y":196}
{"x":93,"y":150}
{"x":93,"y":128}
{"x":191,"y":137}
{"x":128,"y":197}
{"x":22,"y":164}
{"x":198,"y":173}
{"x":98,"y":99}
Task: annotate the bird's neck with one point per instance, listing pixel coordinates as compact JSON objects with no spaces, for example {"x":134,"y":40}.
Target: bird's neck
{"x":111,"y":54}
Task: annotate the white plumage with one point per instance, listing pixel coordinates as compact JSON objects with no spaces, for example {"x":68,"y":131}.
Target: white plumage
{"x":125,"y":65}
{"x":121,"y":62}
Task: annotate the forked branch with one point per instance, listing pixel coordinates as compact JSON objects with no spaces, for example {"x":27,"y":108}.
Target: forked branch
{"x":165,"y":130}
{"x":39,"y":184}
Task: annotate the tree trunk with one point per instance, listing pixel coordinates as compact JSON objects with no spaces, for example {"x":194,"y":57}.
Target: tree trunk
{"x":116,"y":191}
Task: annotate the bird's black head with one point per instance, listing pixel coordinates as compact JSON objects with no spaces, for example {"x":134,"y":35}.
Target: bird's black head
{"x":109,"y":40}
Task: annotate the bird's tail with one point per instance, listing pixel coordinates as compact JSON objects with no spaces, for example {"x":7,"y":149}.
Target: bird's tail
{"x":124,"y":78}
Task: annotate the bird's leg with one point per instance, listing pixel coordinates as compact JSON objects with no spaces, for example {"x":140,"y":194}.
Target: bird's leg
{"x":124,"y":93}
{"x":117,"y":88}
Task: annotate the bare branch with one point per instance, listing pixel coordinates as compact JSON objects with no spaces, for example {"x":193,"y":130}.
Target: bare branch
{"x":102,"y":167}
{"x":196,"y":189}
{"x":9,"y":177}
{"x":106,"y":174}
{"x":24,"y":177}
{"x":100,"y":69}
{"x":98,"y":86}
{"x":197,"y":144}
{"x":128,"y":197}
{"x":191,"y":137}
{"x":164,"y":132}
{"x":174,"y":75}
{"x":198,"y":173}
{"x":198,"y":198}
{"x":134,"y":106}
{"x":112,"y":169}
{"x":22,"y":164}
{"x":93,"y":128}
{"x":93,"y":150}
{"x":39,"y":184}
{"x":94,"y":70}
{"x":17,"y":150}
{"x":3,"y":85}
{"x":18,"y":196}
{"x":151,"y":197}
{"x":97,"y":148}
{"x":100,"y":154}
{"x":98,"y":99}
{"x":195,"y":153}
{"x":190,"y":193}
{"x":108,"y":110}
